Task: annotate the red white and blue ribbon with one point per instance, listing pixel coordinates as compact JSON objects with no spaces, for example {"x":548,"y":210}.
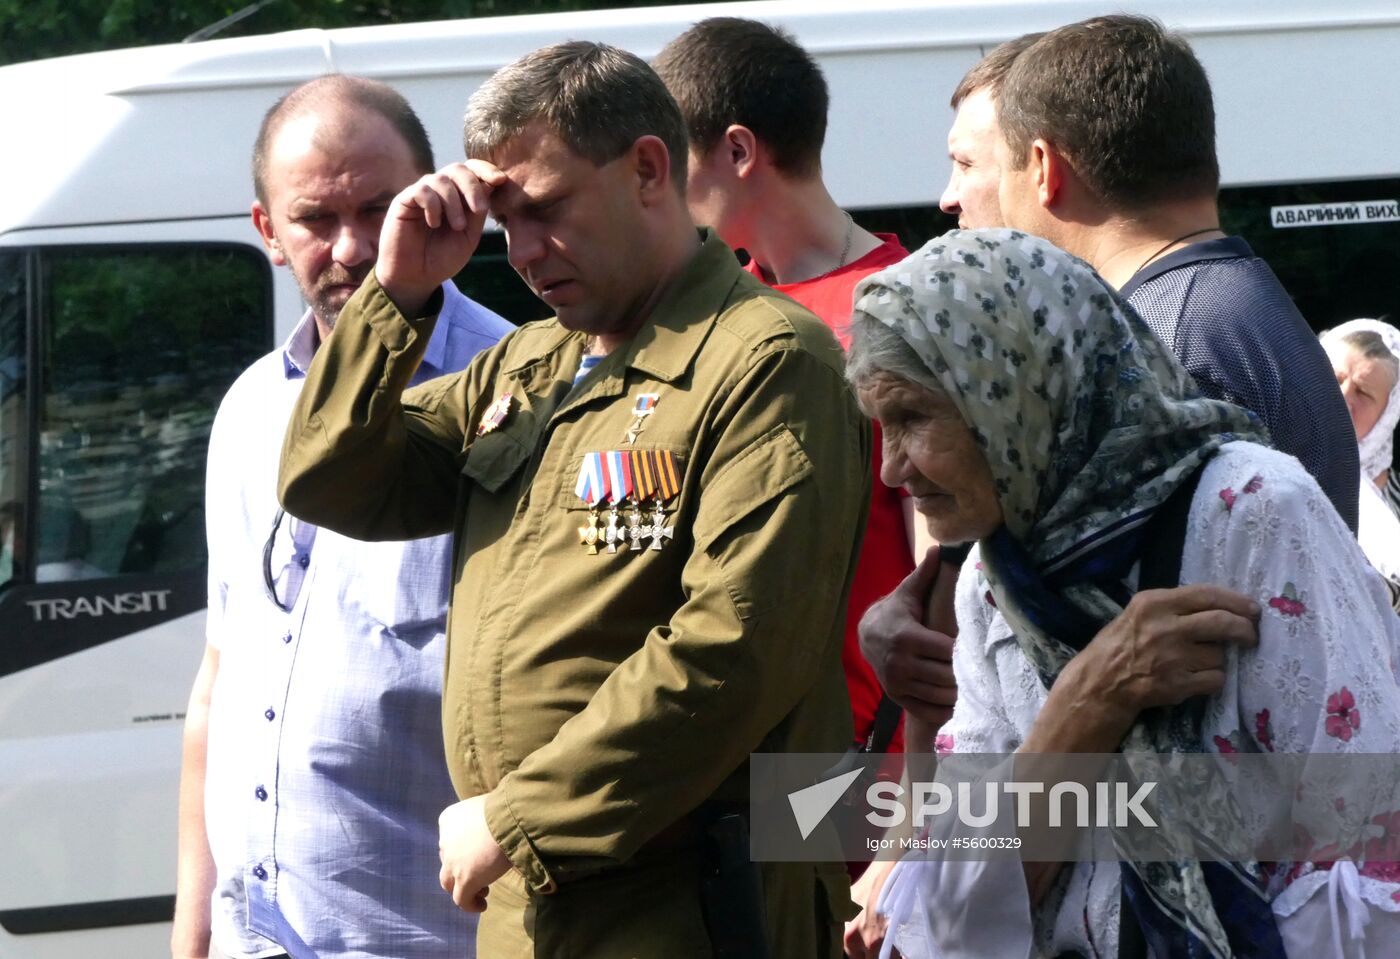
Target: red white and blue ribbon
{"x":590,"y":486}
{"x":619,"y":476}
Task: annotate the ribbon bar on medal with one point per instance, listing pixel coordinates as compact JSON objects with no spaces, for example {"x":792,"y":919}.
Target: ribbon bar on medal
{"x":627,"y":478}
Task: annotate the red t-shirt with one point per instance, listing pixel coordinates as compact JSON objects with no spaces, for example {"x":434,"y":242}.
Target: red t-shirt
{"x":885,"y":553}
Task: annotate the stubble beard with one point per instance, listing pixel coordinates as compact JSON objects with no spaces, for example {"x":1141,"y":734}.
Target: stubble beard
{"x":321,"y":295}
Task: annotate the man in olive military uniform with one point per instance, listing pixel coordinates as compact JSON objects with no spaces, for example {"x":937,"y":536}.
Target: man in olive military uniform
{"x":657,"y":496}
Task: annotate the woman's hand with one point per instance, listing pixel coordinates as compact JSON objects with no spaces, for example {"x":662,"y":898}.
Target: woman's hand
{"x":865,"y":934}
{"x":1169,"y":645}
{"x":913,"y":662}
{"x":1165,"y":647}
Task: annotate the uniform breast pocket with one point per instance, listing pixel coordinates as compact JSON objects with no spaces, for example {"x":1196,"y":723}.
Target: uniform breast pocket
{"x":494,"y":459}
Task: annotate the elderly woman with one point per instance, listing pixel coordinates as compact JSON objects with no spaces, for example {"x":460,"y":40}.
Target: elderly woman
{"x":1366,"y":357}
{"x":1026,"y":407}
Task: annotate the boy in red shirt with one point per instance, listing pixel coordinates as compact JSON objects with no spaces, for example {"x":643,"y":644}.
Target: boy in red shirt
{"x":755,"y":105}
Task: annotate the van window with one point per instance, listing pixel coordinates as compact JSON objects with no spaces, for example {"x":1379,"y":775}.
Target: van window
{"x":490,"y":280}
{"x":1334,"y":246}
{"x":12,"y":395}
{"x":138,"y":346}
{"x":914,"y":225}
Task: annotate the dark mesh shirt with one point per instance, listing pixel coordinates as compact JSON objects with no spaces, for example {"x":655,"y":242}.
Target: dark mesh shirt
{"x":1230,"y":322}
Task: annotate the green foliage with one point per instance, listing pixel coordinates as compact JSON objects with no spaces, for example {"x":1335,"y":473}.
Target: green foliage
{"x":33,"y":29}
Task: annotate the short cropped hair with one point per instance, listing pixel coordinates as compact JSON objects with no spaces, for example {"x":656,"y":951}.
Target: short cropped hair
{"x":338,"y":89}
{"x":598,"y":99}
{"x":728,"y":70}
{"x":990,"y":72}
{"x":1126,"y":102}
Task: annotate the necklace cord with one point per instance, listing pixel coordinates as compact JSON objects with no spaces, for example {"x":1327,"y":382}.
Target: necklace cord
{"x":1171,"y":243}
{"x":846,"y":247}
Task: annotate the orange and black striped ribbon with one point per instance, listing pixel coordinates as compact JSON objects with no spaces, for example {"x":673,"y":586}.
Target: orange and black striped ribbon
{"x":655,"y":473}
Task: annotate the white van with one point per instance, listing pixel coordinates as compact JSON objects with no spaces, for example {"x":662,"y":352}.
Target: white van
{"x":133,"y":289}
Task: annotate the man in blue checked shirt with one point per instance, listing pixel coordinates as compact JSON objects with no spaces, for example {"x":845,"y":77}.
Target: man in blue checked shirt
{"x":313,"y":769}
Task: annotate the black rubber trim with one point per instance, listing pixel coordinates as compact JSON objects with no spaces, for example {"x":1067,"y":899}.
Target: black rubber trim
{"x":88,"y":915}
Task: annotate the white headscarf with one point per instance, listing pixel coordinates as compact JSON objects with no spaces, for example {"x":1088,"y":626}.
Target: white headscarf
{"x":1375,"y":446}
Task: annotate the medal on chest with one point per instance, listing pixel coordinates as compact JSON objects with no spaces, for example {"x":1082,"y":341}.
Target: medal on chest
{"x":635,"y":485}
{"x":644,"y":407}
{"x":495,"y":415}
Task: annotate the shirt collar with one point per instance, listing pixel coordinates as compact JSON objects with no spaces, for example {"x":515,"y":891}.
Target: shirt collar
{"x":666,"y":344}
{"x":1225,"y":248}
{"x":300,"y":348}
{"x":664,"y":347}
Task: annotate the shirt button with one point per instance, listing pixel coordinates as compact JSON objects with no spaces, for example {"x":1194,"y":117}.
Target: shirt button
{"x":261,"y":793}
{"x":304,"y":561}
{"x":287,"y":638}
{"x":270,"y":714}
{"x":259,"y":871}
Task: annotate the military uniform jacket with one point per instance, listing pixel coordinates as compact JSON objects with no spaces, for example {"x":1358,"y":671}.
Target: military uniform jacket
{"x":600,"y":697}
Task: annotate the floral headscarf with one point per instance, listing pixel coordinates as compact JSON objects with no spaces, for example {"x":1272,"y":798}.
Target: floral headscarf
{"x":1376,"y":446}
{"x":1088,"y":424}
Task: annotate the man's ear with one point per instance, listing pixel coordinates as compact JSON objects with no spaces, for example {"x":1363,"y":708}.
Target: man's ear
{"x":1051,"y":170}
{"x":651,"y":162}
{"x":263,"y":221}
{"x":741,"y":149}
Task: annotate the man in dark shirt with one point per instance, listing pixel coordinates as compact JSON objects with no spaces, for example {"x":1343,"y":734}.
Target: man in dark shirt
{"x":1107,"y":149}
{"x":1230,"y":322}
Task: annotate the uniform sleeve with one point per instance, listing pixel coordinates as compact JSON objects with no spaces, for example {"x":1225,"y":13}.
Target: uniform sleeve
{"x":751,"y":656}
{"x":362,"y":456}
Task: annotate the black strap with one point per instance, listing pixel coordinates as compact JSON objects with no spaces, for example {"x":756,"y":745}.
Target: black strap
{"x":1165,"y":537}
{"x":888,"y":712}
{"x":882,"y":729}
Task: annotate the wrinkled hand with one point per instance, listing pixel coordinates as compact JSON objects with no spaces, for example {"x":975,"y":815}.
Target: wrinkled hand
{"x":913,"y":663}
{"x":471,"y":857}
{"x":865,"y":934}
{"x":1167,"y":646}
{"x":432,"y":229}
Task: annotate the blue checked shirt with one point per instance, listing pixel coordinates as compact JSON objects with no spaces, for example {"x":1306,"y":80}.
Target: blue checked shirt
{"x":325,"y":772}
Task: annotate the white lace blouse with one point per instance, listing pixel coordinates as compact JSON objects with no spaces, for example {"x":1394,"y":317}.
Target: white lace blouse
{"x":1322,"y":680}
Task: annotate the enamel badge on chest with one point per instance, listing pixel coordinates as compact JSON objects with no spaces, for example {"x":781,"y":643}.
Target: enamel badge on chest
{"x":644,"y":407}
{"x":496,"y":414}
